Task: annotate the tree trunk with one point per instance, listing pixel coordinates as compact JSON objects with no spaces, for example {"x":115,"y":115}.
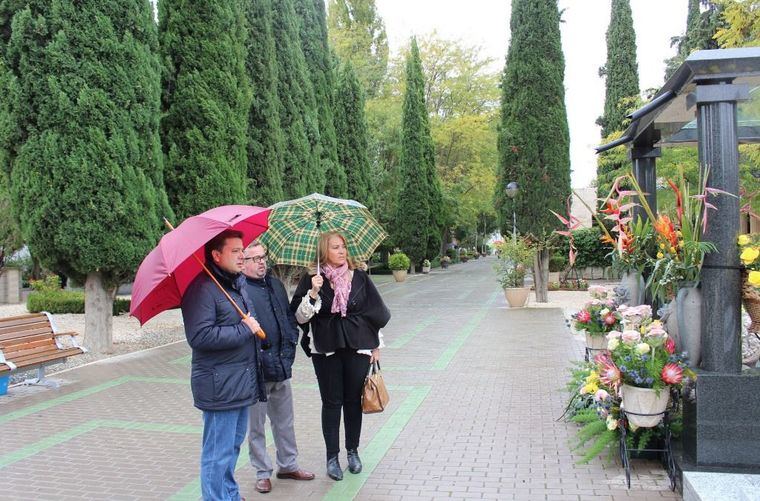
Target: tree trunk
{"x":98,"y":314}
{"x":541,"y":275}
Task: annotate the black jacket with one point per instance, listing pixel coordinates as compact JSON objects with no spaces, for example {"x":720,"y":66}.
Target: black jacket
{"x":225,"y":372}
{"x":365,"y":316}
{"x":270,"y":301}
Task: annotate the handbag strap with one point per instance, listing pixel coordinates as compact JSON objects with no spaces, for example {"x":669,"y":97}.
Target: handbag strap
{"x":374,"y":367}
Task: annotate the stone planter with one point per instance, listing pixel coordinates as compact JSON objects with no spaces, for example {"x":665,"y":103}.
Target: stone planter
{"x":669,"y":317}
{"x":689,"y":316}
{"x":644,"y":401}
{"x":426,"y":269}
{"x":444,"y":264}
{"x":517,"y":297}
{"x":399,"y":275}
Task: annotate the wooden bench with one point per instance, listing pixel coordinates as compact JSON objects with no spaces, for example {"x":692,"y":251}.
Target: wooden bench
{"x":30,"y":342}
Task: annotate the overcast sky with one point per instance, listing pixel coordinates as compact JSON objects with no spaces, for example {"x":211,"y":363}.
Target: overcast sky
{"x":486,"y":23}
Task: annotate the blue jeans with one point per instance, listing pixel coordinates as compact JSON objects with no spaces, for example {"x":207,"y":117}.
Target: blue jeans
{"x":223,"y":433}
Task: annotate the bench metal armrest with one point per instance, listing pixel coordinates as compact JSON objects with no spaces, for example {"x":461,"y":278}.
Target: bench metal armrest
{"x":10,"y":364}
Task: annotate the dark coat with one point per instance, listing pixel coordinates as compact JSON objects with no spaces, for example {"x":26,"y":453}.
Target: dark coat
{"x":277,"y":361}
{"x":365,"y":316}
{"x":225,"y":372}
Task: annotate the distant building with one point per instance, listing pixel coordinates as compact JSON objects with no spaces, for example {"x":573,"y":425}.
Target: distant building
{"x":579,"y":210}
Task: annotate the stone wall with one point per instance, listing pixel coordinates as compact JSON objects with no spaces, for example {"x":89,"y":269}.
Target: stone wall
{"x":10,"y":286}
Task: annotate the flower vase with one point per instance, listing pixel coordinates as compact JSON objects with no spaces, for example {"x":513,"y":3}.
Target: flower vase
{"x":689,"y":315}
{"x":633,"y":283}
{"x":638,"y":401}
{"x":596,"y":343}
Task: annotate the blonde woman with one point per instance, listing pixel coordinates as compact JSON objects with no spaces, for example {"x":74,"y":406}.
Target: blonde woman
{"x":342,"y":312}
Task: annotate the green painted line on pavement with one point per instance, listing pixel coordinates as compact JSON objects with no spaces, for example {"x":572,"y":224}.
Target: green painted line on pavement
{"x":64,"y":436}
{"x":444,"y":360}
{"x":401,"y":341}
{"x":378,"y":446}
{"x":62,"y":400}
{"x":11,"y":416}
{"x":182,"y":360}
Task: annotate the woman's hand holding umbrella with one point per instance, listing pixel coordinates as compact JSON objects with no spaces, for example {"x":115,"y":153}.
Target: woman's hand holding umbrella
{"x":316,"y":285}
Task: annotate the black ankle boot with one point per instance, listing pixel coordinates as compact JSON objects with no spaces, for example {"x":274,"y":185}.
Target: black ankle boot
{"x":354,"y":463}
{"x":334,"y":471}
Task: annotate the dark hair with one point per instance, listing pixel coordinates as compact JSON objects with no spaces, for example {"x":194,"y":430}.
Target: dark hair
{"x":217,"y":243}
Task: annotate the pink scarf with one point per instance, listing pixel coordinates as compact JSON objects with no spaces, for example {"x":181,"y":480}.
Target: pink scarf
{"x":341,"y":284}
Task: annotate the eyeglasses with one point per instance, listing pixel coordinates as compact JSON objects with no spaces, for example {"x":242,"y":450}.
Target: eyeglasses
{"x":256,"y":259}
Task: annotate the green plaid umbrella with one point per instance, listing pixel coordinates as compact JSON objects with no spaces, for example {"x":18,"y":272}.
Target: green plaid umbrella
{"x":295,"y":226}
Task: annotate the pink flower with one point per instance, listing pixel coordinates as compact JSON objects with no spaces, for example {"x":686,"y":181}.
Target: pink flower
{"x":631,"y":337}
{"x":609,"y":374}
{"x":610,"y":319}
{"x":601,"y":395}
{"x":670,"y":346}
{"x":583,"y":316}
{"x":672,"y":374}
{"x":614,"y":335}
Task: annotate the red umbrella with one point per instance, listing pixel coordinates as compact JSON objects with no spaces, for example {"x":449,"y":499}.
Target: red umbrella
{"x":168,"y":270}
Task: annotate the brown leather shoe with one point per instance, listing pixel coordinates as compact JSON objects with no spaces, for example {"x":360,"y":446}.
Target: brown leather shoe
{"x":296,"y":475}
{"x":264,"y":485}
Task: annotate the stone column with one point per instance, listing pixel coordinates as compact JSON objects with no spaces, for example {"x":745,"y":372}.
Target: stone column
{"x":643,"y":156}
{"x":720,"y":279}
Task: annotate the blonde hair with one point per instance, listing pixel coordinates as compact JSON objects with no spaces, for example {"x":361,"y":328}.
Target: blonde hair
{"x":324,"y":246}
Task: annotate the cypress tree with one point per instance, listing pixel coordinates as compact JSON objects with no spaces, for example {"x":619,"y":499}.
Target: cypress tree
{"x":418,"y":208}
{"x":353,"y":142}
{"x":533,"y":135}
{"x":84,"y":156}
{"x":265,"y":138}
{"x":700,"y":31}
{"x":313,"y":29}
{"x":620,"y":70}
{"x":298,"y":116}
{"x":206,"y":100}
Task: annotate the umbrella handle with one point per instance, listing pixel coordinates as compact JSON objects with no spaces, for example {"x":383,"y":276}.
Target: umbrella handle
{"x":259,"y":333}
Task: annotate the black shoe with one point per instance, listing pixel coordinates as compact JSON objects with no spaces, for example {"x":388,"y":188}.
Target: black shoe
{"x":334,"y":471}
{"x":354,"y":463}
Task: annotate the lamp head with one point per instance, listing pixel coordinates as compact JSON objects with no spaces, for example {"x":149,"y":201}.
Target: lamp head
{"x":511,"y":189}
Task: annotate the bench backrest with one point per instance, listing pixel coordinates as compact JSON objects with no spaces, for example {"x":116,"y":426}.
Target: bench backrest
{"x":27,"y":330}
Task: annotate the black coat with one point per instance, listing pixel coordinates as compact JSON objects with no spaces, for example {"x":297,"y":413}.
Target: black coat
{"x":277,"y":361}
{"x":225,"y":372}
{"x":365,"y":316}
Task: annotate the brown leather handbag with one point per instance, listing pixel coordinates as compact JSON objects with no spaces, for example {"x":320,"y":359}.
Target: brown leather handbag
{"x":374,"y":394}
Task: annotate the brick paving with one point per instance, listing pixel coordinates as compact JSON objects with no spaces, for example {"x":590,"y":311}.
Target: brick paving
{"x":475,"y":394}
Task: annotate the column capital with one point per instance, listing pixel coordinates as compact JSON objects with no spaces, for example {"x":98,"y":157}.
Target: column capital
{"x":717,"y":93}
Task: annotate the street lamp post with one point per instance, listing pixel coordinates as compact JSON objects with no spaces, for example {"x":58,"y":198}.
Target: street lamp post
{"x":511,"y":191}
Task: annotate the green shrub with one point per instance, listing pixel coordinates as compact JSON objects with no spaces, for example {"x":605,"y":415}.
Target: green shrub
{"x":590,"y":249}
{"x":50,"y":283}
{"x":60,"y":301}
{"x":399,"y":261}
{"x":557,"y":263}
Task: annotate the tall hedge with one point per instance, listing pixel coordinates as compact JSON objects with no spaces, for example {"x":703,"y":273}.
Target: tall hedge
{"x":206,"y":100}
{"x":351,"y":132}
{"x":83,"y":147}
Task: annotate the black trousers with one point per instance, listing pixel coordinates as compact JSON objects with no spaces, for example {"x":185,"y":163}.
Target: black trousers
{"x":341,"y":378}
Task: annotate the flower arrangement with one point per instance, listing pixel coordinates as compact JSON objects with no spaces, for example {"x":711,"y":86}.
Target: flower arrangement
{"x":680,"y":248}
{"x":514,"y":259}
{"x":642,"y":354}
{"x":598,"y":316}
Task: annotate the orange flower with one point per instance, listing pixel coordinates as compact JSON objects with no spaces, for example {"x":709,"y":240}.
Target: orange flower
{"x":664,"y":226}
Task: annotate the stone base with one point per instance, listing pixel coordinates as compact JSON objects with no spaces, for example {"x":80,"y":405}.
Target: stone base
{"x":722,"y":424}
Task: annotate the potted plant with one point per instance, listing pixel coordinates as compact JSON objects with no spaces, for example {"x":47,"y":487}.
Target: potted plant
{"x":399,"y":263}
{"x":515,"y":257}
{"x":597,"y":318}
{"x":445,"y":261}
{"x":426,"y":266}
{"x":463,"y":255}
{"x":643,"y":364}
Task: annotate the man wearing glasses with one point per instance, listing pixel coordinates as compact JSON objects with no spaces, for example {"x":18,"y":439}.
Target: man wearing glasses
{"x":273,"y":313}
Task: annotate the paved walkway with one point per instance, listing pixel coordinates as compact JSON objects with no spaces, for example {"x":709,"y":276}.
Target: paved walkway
{"x":475,"y":393}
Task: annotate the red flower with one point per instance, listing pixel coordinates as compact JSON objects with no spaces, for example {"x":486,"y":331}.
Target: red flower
{"x":610,"y":319}
{"x":583,"y":317}
{"x":670,"y":346}
{"x":672,"y":374}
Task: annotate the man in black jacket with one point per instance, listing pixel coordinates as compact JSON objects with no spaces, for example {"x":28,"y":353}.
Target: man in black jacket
{"x":226,"y":377}
{"x":271,"y":302}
